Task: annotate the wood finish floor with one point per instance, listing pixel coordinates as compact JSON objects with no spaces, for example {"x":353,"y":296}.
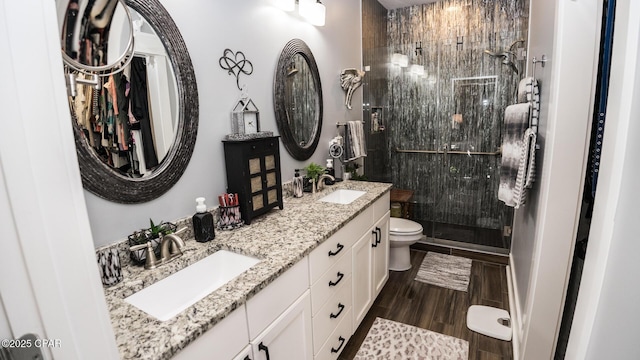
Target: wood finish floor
{"x":438,"y":309}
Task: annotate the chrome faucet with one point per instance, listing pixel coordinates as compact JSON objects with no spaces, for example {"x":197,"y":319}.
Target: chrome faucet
{"x":321,"y":180}
{"x":170,"y":248}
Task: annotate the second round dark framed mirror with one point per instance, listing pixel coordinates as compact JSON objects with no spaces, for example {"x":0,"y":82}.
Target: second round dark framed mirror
{"x":297,"y":99}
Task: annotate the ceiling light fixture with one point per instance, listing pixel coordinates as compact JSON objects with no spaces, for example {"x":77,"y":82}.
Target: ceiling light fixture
{"x":313,"y":11}
{"x":400,"y":60}
{"x":286,"y":5}
{"x":417,"y":69}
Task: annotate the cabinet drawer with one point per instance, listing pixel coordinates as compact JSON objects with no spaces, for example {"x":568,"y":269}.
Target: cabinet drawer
{"x":321,"y":260}
{"x":269,"y":303}
{"x":381,"y":206}
{"x":327,"y":254}
{"x":331,"y":282}
{"x":263,"y":146}
{"x":337,"y":340}
{"x":331,"y":314}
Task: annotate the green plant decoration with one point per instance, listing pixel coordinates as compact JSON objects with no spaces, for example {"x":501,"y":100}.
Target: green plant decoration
{"x":314,"y":171}
{"x":159,"y":230}
{"x":352,"y":168}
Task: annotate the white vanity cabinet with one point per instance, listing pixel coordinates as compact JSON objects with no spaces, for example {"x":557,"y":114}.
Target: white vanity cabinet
{"x":370,"y":260}
{"x":312,"y":309}
{"x":279,"y":317}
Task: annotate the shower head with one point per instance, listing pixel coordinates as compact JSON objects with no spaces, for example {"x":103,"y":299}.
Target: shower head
{"x":514,"y":43}
{"x":510,"y":63}
{"x":503,"y":54}
{"x":506,"y":59}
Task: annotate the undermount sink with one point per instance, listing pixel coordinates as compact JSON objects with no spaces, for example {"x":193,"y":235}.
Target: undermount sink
{"x":342,"y":196}
{"x":171,"y":295}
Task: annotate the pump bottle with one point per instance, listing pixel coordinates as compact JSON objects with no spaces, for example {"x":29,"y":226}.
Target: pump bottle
{"x":298,"y":184}
{"x":203,"y":229}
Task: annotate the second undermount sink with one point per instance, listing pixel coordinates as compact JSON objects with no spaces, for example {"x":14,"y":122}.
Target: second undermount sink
{"x":171,"y":295}
{"x":342,"y":196}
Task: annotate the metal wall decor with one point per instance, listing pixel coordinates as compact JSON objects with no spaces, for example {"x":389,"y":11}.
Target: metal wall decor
{"x":235,"y":64}
{"x":350,"y":80}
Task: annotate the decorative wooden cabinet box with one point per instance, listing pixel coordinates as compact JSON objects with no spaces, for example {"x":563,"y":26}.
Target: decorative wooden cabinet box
{"x":253,"y":172}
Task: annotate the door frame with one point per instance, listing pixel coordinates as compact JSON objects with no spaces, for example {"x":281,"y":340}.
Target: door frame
{"x":54,"y":287}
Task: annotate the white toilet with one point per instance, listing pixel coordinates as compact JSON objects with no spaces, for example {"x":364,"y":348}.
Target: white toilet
{"x":402,"y":234}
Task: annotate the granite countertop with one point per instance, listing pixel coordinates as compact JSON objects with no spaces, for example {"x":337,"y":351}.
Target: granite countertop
{"x":279,"y":238}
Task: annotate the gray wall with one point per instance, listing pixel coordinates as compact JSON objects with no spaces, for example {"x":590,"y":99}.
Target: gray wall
{"x":260,"y":31}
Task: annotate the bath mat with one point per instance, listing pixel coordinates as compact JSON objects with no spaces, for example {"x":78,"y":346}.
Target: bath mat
{"x":447,"y":271}
{"x":393,"y":340}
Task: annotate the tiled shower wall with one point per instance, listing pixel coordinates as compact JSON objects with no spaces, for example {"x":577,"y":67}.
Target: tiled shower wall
{"x":458,"y":103}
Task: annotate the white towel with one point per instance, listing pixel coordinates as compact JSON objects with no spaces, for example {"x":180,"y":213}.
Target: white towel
{"x":526,"y":168}
{"x":355,"y":134}
{"x":516,"y":122}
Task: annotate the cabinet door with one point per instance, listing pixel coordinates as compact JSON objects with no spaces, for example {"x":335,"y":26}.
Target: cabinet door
{"x":361,"y":278}
{"x":381,"y":254}
{"x":289,"y":337}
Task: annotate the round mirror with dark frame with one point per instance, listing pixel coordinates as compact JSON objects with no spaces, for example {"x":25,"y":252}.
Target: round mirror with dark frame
{"x":297,"y":98}
{"x":135,"y":151}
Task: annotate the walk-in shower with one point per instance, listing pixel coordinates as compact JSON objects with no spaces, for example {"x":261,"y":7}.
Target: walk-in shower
{"x":443,"y":127}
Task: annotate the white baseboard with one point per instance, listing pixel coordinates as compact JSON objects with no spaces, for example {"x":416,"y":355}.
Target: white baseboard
{"x":514,"y":312}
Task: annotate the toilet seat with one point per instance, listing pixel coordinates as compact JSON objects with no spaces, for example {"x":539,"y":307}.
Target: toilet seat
{"x":404,"y":227}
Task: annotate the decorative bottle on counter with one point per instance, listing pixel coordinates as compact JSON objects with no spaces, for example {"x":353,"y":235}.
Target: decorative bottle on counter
{"x":331,"y":171}
{"x":297,"y":184}
{"x":203,"y":229}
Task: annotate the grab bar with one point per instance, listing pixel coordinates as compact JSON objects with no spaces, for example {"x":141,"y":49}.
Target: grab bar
{"x":494,"y":153}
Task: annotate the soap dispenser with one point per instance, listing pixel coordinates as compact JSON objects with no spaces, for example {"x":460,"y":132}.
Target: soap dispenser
{"x":331,"y":171}
{"x":203,"y":229}
{"x":298,"y":184}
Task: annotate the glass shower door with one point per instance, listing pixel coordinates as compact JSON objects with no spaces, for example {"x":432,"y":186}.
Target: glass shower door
{"x":468,"y":213}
